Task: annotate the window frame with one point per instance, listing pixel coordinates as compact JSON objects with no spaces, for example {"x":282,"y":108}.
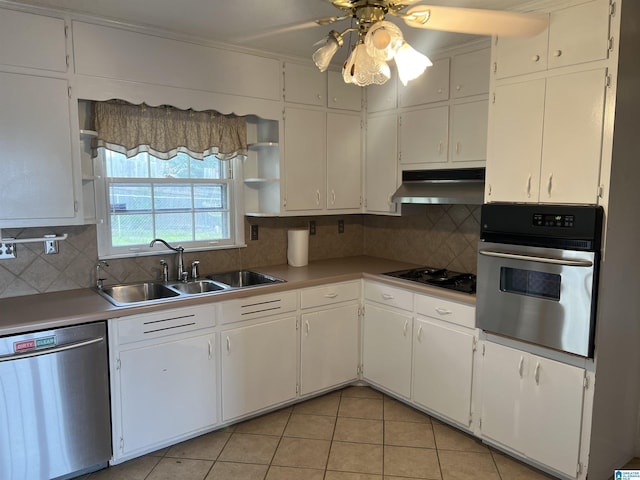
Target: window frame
{"x":235,"y":208}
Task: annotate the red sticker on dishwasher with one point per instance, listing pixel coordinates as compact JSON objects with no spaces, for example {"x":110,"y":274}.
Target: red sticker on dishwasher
{"x":24,"y":345}
{"x":33,"y":344}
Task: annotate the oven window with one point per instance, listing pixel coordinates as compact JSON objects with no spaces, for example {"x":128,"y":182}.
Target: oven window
{"x":530,"y":283}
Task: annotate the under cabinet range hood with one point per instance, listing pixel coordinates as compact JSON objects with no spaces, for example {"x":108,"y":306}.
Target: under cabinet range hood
{"x":453,"y":186}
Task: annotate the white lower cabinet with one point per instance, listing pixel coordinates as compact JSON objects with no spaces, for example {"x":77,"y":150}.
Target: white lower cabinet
{"x":164,"y":385}
{"x":258,"y":366}
{"x":532,"y":405}
{"x":442,"y":368}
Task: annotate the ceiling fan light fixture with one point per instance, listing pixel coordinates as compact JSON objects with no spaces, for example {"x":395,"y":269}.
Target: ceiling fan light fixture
{"x":362,"y":69}
{"x":411,"y":63}
{"x":323,"y":55}
{"x":383,"y":40}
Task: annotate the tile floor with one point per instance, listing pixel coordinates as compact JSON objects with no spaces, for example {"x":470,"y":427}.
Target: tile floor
{"x":353,"y":434}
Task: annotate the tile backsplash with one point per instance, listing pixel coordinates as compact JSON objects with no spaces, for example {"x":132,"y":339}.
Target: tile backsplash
{"x":436,"y":235}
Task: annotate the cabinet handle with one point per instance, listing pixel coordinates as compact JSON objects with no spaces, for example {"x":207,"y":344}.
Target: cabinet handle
{"x":458,"y":147}
{"x":439,"y":148}
{"x":557,"y":53}
{"x":317,"y":197}
{"x":210,"y":349}
{"x":333,"y":197}
{"x":419,"y":334}
{"x":535,"y":58}
{"x":458,"y":87}
{"x":529,"y":185}
{"x":521,"y":366}
{"x":550,"y":184}
{"x":440,"y":90}
{"x":331,"y":295}
{"x":537,"y":373}
{"x":404,"y":328}
{"x":228,"y":344}
{"x":489,"y":189}
{"x":335,"y":99}
{"x":319,"y":96}
{"x":443,"y":311}
{"x":387,"y":296}
{"x":306,"y":324}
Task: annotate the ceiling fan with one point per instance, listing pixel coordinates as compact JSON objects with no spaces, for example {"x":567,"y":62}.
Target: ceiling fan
{"x":380,"y":41}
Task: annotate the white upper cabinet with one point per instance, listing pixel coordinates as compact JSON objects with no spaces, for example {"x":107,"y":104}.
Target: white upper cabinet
{"x":470,"y":73}
{"x":381,"y":167}
{"x":341,"y":95}
{"x":469,"y":131}
{"x":576,"y":34}
{"x":344,"y":171}
{"x":32,"y":41}
{"x":424,"y":136}
{"x":304,"y":84}
{"x":382,"y":97}
{"x":431,"y":86}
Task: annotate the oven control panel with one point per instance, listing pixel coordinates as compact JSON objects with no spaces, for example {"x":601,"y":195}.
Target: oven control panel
{"x":552,"y":220}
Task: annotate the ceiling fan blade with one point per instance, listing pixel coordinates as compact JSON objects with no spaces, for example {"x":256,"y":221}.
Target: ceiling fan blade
{"x":475,"y":21}
{"x":293,"y":27}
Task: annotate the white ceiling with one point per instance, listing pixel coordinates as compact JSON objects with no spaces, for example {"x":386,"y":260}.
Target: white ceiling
{"x":228,"y":21}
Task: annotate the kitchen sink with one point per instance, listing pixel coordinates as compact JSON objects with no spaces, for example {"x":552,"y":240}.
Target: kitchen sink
{"x":137,"y":292}
{"x":198,"y":286}
{"x":243,"y":278}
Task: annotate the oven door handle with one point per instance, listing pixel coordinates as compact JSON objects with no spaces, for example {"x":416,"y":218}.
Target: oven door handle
{"x":531,"y":258}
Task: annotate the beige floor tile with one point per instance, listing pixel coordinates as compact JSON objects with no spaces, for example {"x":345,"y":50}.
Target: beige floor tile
{"x":204,"y":447}
{"x":409,"y":434}
{"x":449,"y":438}
{"x":249,"y":448}
{"x":136,"y":469}
{"x":467,"y":465}
{"x":370,"y":408}
{"x":350,"y":476}
{"x":237,"y":471}
{"x":411,"y":462}
{"x":358,"y":430}
{"x":302,"y":452}
{"x":182,"y":468}
{"x":356,"y":458}
{"x":269,"y":424}
{"x":310,"y":426}
{"x":512,"y":469}
{"x":159,"y":453}
{"x":292,"y":473}
{"x":399,"y":412}
{"x":324,"y":405}
{"x":361,"y":392}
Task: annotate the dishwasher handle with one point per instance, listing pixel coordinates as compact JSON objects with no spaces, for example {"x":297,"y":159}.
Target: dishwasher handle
{"x":47,"y":351}
{"x":533,"y":258}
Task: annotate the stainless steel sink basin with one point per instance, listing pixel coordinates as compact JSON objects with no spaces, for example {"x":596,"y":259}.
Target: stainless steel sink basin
{"x":243,"y":278}
{"x":138,"y":292}
{"x":199,"y":286}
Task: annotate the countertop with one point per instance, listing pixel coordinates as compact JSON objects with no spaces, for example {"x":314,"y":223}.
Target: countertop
{"x":53,"y":310}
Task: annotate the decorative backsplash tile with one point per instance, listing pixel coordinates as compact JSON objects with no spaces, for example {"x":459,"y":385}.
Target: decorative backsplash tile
{"x":436,"y":235}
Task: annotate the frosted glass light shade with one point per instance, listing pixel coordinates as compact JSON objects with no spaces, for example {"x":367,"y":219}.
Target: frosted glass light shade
{"x":383,"y":40}
{"x":323,"y":55}
{"x":411,"y":63}
{"x":362,"y":69}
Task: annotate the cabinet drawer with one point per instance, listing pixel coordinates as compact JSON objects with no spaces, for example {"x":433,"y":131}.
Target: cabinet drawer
{"x":394,"y":297}
{"x":167,"y":322}
{"x":329,"y":294}
{"x":453,"y":312}
{"x":257,"y":307}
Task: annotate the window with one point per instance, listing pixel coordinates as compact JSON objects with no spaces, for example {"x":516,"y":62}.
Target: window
{"x":183,"y":200}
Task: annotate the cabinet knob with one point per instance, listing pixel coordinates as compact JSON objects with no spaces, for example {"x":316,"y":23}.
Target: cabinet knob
{"x":535,"y":58}
{"x":440,"y":90}
{"x":335,"y":99}
{"x":557,"y":53}
{"x":458,"y":87}
{"x":319,"y":97}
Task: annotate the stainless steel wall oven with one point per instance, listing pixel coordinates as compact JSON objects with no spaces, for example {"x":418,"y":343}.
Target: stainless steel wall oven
{"x":538,"y":274}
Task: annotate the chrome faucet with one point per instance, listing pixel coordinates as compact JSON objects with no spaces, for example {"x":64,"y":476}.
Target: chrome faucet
{"x":99,"y":280}
{"x":179,"y":250}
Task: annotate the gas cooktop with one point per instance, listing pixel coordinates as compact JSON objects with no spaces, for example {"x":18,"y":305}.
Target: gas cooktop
{"x":438,"y":277}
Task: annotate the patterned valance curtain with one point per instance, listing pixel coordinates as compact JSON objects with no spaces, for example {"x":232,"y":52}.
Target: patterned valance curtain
{"x":166,"y":131}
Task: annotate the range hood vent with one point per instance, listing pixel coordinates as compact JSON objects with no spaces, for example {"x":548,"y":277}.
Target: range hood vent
{"x":459,"y":186}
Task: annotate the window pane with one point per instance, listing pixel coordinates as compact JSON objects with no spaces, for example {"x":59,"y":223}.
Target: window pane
{"x":172,"y":197}
{"x":210,"y":167}
{"x":124,"y":197}
{"x":131,"y":229}
{"x":118,"y":165}
{"x":175,"y":227}
{"x":210,"y":196}
{"x":176,"y":167}
{"x":212,"y":226}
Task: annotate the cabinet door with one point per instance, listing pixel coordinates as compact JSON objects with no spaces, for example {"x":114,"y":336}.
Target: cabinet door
{"x":469,"y":131}
{"x":36,"y":185}
{"x":431,"y":86}
{"x":343,"y":95}
{"x":579,"y":34}
{"x":424,"y":136}
{"x":304,"y":84}
{"x":344,"y":174}
{"x":382,"y":97}
{"x":520,"y":55}
{"x":258,"y":366}
{"x":503,"y":383}
{"x":470,"y":73}
{"x":514,"y":142}
{"x":167,"y":390}
{"x":442,"y":368}
{"x":386,"y":350}
{"x":304,"y":158}
{"x":329,"y":354}
{"x":573,"y":125}
{"x":552,"y":414}
{"x":381,"y":168}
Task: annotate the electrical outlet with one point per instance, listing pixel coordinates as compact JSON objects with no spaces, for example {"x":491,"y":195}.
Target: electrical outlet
{"x":7,"y":250}
{"x":340,"y":226}
{"x":312,"y":227}
{"x":253,"y":232}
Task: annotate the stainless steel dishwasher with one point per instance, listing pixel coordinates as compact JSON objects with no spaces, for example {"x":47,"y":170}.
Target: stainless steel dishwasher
{"x":54,"y":403}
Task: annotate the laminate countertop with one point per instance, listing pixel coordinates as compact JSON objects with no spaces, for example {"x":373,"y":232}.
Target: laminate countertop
{"x":71,"y":307}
